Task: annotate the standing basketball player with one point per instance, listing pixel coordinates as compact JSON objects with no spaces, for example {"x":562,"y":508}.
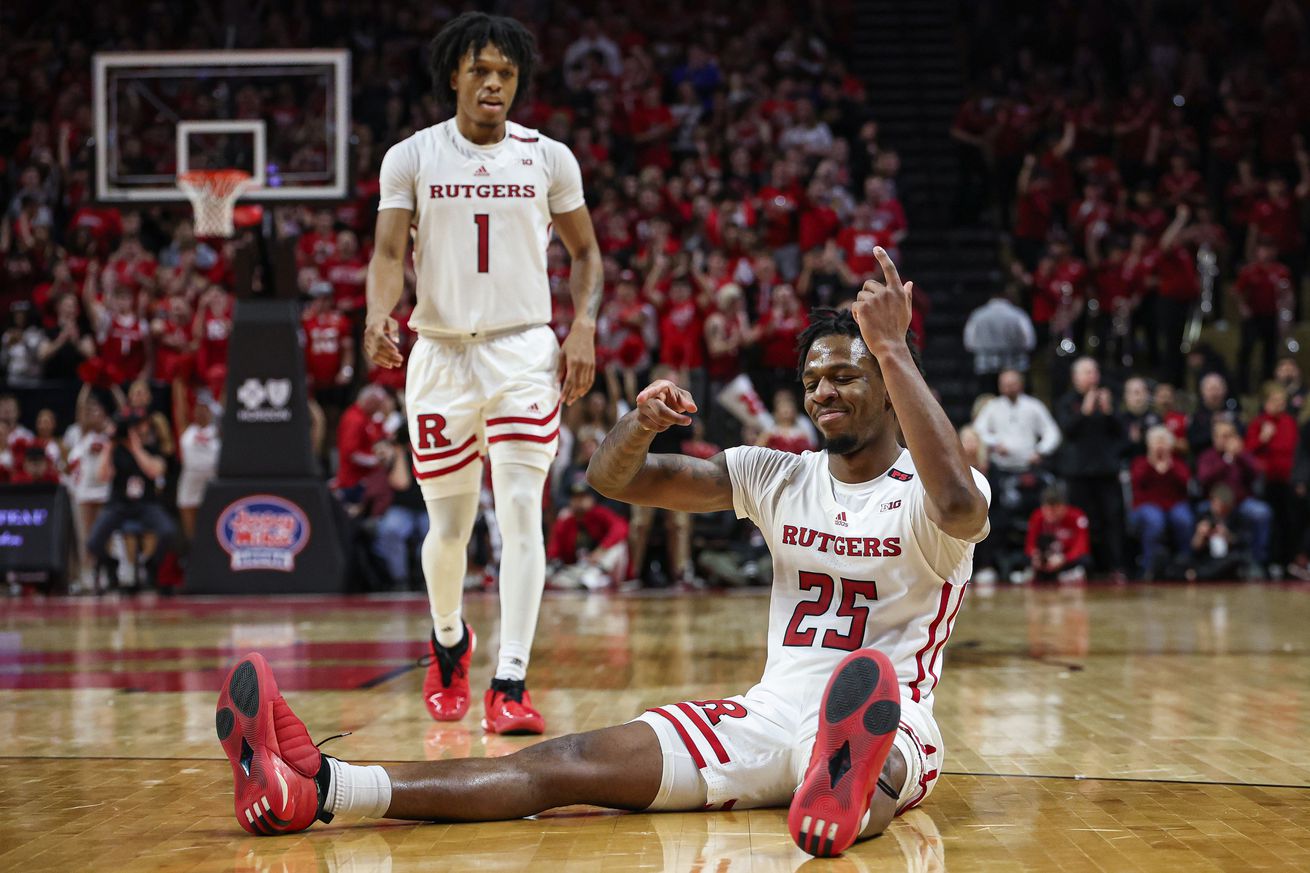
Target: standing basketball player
{"x":872,"y":546}
{"x":480,"y":195}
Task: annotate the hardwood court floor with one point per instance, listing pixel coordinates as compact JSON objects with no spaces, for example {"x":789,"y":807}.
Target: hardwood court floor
{"x":1135,"y":729}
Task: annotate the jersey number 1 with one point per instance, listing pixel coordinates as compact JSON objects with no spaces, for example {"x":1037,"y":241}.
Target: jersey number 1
{"x":483,"y":221}
{"x":846,"y":608}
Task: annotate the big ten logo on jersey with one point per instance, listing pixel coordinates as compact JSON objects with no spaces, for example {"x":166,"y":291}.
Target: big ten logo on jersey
{"x":431,"y":432}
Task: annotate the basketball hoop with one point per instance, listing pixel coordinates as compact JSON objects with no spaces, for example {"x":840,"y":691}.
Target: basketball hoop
{"x":213,"y":195}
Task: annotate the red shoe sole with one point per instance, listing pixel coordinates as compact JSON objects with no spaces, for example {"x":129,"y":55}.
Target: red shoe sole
{"x":269,"y":796}
{"x":857,"y":726}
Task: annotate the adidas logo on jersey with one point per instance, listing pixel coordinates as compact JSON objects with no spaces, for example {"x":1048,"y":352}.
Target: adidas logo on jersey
{"x":534,"y":408}
{"x":481,"y":171}
{"x":840,"y":519}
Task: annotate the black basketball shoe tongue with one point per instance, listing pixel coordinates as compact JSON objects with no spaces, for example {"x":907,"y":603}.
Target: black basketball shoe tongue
{"x":447,"y":657}
{"x":512,"y":688}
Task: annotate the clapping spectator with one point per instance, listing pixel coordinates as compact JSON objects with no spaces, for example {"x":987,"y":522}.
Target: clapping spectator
{"x":1093,"y":435}
{"x":1228,"y":463}
{"x":1160,"y":483}
{"x":68,"y":343}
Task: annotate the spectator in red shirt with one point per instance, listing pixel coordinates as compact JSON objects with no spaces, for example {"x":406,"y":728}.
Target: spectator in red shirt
{"x":1034,"y":213}
{"x":1057,"y":542}
{"x":969,"y":130}
{"x":858,"y":240}
{"x":1181,"y":184}
{"x":173,"y":343}
{"x":357,"y":434}
{"x":316,"y":247}
{"x":652,"y":126}
{"x":776,"y":336}
{"x":888,"y":217}
{"x":727,"y":332}
{"x":347,"y":271}
{"x":1177,"y":290}
{"x":35,"y":468}
{"x":1275,"y":216}
{"x":1272,"y":439}
{"x":329,"y":348}
{"x":1164,"y":409}
{"x":1263,"y":290}
{"x":1059,"y":291}
{"x":789,"y":433}
{"x":681,"y":344}
{"x":588,"y":544}
{"x":1228,"y":463}
{"x":120,"y":333}
{"x":211,"y":329}
{"x":1160,"y":483}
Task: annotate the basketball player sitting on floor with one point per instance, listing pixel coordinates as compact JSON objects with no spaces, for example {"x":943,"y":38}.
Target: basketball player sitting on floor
{"x":872,"y":547}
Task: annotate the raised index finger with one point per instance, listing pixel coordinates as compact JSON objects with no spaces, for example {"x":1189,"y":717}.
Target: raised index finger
{"x":890,"y":277}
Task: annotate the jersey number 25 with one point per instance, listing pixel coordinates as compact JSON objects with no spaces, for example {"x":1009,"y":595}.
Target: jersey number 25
{"x":846,"y":608}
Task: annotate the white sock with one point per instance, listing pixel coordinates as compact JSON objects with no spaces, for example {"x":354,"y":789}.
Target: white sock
{"x":518,"y":489}
{"x":513,"y":662}
{"x":450,"y":628}
{"x":354,"y":790}
{"x":445,"y":559}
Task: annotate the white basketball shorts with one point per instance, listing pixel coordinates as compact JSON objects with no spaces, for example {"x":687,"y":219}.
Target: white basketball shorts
{"x":752,"y":750}
{"x":467,"y":399}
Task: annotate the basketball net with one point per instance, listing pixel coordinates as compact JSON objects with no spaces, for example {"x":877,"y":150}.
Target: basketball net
{"x":213,"y":194}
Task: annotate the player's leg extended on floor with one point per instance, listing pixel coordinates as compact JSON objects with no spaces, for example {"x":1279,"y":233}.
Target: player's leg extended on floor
{"x":518,"y":488}
{"x":618,"y":768}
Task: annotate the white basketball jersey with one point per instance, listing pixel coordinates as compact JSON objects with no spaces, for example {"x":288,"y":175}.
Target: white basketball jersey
{"x":482,"y":222}
{"x":863,"y":570}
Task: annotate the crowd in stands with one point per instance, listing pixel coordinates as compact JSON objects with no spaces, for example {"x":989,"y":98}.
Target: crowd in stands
{"x":1146,"y":167}
{"x":735,"y":178}
{"x":1147,"y":164}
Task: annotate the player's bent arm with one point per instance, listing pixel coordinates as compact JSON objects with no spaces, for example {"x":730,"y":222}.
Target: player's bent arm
{"x":623,"y":469}
{"x":954,"y":502}
{"x":386,"y":269}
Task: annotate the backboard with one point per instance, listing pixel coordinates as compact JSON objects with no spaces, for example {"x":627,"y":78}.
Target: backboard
{"x":282,"y":116}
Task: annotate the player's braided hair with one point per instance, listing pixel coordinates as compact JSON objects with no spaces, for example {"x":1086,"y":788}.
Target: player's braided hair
{"x":474,"y":30}
{"x":826,"y":322}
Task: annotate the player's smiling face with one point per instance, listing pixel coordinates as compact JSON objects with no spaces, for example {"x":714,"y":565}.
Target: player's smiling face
{"x":844,"y":393}
{"x":485,"y":84}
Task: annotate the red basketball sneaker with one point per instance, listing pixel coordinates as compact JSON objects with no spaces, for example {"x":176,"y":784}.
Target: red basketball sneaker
{"x":509,"y":709}
{"x":857,"y":725}
{"x":274,"y":762}
{"x":446,"y":687}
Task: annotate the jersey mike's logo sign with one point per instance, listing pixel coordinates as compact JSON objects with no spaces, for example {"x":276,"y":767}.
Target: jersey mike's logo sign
{"x":264,"y":400}
{"x":263,"y":532}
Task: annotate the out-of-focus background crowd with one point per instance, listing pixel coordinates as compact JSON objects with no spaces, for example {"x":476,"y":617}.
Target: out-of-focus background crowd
{"x":1102,"y":205}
